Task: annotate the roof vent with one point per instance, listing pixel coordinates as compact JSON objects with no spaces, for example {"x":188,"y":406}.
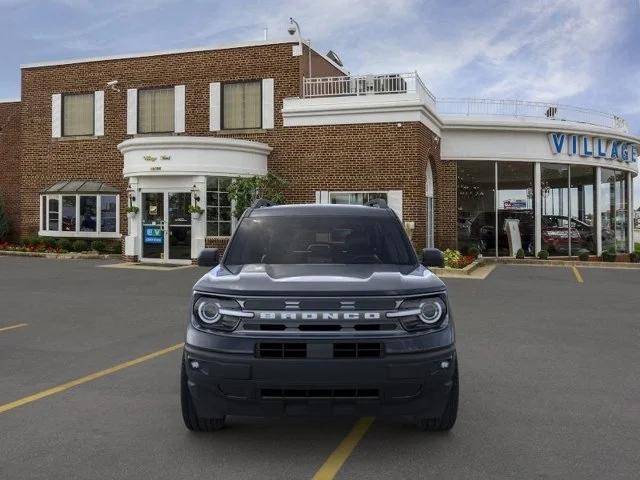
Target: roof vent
{"x":333,"y":56}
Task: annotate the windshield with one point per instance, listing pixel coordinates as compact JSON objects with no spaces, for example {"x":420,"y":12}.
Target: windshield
{"x":339,"y":239}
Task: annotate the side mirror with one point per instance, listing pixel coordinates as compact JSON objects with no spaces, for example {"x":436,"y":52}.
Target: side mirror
{"x":432,"y":257}
{"x":208,"y":257}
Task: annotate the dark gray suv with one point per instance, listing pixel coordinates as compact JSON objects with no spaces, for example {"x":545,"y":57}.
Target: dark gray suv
{"x":320,"y":310}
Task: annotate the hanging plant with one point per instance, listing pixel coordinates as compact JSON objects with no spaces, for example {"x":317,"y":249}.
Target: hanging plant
{"x":195,"y":210}
{"x":132,"y":209}
{"x":243,"y":191}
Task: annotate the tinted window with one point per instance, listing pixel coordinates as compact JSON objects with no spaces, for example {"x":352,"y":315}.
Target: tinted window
{"x":340,"y":239}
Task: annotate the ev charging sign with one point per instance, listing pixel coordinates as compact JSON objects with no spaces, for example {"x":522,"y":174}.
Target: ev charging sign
{"x":592,"y":146}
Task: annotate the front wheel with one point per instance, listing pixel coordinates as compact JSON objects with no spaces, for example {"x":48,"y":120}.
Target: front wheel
{"x":448,"y":418}
{"x":189,"y":415}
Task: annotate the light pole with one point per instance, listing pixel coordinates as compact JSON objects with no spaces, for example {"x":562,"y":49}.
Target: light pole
{"x":294,"y":28}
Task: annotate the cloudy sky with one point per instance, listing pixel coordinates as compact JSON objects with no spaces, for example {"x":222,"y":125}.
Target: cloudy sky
{"x":579,"y":52}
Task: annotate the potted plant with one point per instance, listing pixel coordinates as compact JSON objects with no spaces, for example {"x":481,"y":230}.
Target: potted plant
{"x":195,"y":211}
{"x":132,"y":211}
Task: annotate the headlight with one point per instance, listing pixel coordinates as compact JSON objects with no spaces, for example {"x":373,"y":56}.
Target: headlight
{"x":431,"y":310}
{"x":421,"y":313}
{"x":217,"y":313}
{"x":208,"y":310}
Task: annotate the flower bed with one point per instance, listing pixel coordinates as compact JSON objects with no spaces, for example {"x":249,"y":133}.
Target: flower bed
{"x":454,"y":259}
{"x":47,"y":245}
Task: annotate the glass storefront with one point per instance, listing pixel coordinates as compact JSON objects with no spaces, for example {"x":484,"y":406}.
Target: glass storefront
{"x":497,"y":205}
{"x":516,"y":221}
{"x":614,"y":210}
{"x":476,"y":207}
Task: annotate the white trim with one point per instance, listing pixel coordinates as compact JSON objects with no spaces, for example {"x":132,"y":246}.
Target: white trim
{"x":10,"y":100}
{"x":394,"y":201}
{"x":630,"y":213}
{"x":598,"y":211}
{"x":156,"y":53}
{"x":179,"y":108}
{"x":268,"y":103}
{"x":537,"y":204}
{"x":98,"y":113}
{"x":214,"y":107}
{"x":56,"y":115}
{"x":132,"y":111}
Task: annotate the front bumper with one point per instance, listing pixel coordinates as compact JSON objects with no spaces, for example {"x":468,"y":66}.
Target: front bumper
{"x":398,"y":384}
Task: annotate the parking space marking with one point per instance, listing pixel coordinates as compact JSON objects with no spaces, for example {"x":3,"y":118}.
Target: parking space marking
{"x":88,"y":378}
{"x":11,"y":327}
{"x":335,"y":461}
{"x":577,"y":274}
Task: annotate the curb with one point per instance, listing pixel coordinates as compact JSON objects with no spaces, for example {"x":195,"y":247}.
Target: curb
{"x":468,"y":270}
{"x":61,"y":256}
{"x":564,"y":263}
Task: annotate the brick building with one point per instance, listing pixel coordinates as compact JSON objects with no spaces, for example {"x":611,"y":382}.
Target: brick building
{"x":162,"y":131}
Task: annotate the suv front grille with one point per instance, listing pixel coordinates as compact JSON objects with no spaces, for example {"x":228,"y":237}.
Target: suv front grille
{"x":299,"y":350}
{"x":281,"y":350}
{"x":306,"y":393}
{"x":357,"y":350}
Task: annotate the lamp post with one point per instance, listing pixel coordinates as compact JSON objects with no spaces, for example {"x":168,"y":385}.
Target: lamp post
{"x":294,"y":28}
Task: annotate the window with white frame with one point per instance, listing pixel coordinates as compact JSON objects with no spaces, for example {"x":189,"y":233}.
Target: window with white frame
{"x":65,"y":213}
{"x":242,"y":105}
{"x":355,"y":198}
{"x":78,"y":114}
{"x":156,"y":110}
{"x":218,"y":207}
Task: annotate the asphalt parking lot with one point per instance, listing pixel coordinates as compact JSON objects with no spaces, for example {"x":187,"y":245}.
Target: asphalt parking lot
{"x":549,"y":367}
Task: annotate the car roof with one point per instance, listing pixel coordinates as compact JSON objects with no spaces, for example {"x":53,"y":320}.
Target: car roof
{"x":319,"y":209}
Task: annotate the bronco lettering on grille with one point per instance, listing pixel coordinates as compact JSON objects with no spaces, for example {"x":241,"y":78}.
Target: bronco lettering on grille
{"x":319,"y":315}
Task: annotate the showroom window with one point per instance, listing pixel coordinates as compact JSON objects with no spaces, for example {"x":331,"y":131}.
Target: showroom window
{"x":80,"y":208}
{"x":477,"y":206}
{"x":78,"y":114}
{"x":218,"y":207}
{"x":614,"y":210}
{"x":156,"y":110}
{"x":516,"y":220}
{"x":242,"y":105}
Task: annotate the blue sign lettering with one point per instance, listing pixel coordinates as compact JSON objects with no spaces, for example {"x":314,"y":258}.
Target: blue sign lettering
{"x":588,"y":146}
{"x":153,"y":235}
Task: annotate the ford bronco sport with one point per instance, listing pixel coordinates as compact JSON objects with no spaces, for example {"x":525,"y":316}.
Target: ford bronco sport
{"x":319,"y":310}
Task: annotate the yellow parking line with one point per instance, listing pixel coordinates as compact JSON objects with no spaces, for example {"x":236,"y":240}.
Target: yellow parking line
{"x":79,"y":381}
{"x":11,"y":327}
{"x":335,"y":461}
{"x":577,"y":274}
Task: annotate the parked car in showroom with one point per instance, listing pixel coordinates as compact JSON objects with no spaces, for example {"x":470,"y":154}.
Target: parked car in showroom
{"x":320,"y":310}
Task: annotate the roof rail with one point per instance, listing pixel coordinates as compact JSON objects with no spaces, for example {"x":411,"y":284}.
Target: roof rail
{"x":262,"y":202}
{"x":377,"y":202}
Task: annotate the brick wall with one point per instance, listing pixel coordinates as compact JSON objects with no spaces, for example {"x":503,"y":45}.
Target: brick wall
{"x":381,"y":156}
{"x":9,"y":160}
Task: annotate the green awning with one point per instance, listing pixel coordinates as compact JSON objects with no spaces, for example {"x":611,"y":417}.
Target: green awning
{"x":80,"y":186}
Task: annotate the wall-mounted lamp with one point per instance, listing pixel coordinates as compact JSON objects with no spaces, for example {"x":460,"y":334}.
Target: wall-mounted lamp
{"x":132,"y":194}
{"x":196,"y":194}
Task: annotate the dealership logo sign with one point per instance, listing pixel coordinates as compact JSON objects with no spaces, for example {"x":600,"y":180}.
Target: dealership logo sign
{"x":591,"y":146}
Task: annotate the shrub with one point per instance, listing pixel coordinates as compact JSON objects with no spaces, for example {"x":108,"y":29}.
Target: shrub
{"x":452,"y":258}
{"x":4,"y":221}
{"x":79,"y":246}
{"x":64,"y":244}
{"x":99,"y":246}
{"x":30,"y":241}
{"x":520,"y":253}
{"x":609,"y":255}
{"x":583,"y":255}
{"x":543,"y":254}
{"x":474,"y":252}
{"x":48,"y":242}
{"x":634,"y":257}
{"x":114,"y":247}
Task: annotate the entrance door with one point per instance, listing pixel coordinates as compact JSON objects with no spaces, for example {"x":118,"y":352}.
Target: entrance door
{"x":166,"y":226}
{"x":179,"y":226}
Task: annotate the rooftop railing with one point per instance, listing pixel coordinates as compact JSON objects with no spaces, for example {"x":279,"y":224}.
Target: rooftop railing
{"x":394,"y":83}
{"x":410,"y":83}
{"x":474,"y":107}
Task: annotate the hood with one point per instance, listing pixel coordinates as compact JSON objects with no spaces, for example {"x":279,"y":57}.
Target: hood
{"x":320,"y":280}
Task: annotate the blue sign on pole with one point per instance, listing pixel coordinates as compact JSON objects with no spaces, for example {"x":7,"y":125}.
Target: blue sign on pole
{"x":153,"y":235}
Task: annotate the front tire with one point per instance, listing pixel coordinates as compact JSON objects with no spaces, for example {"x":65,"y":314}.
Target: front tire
{"x":448,"y":418}
{"x":189,"y":415}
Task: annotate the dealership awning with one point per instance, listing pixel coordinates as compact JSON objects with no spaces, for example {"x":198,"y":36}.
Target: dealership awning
{"x":81,"y":186}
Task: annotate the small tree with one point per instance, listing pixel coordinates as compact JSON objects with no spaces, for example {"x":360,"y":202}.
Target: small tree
{"x":245,"y":190}
{"x":4,"y":220}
